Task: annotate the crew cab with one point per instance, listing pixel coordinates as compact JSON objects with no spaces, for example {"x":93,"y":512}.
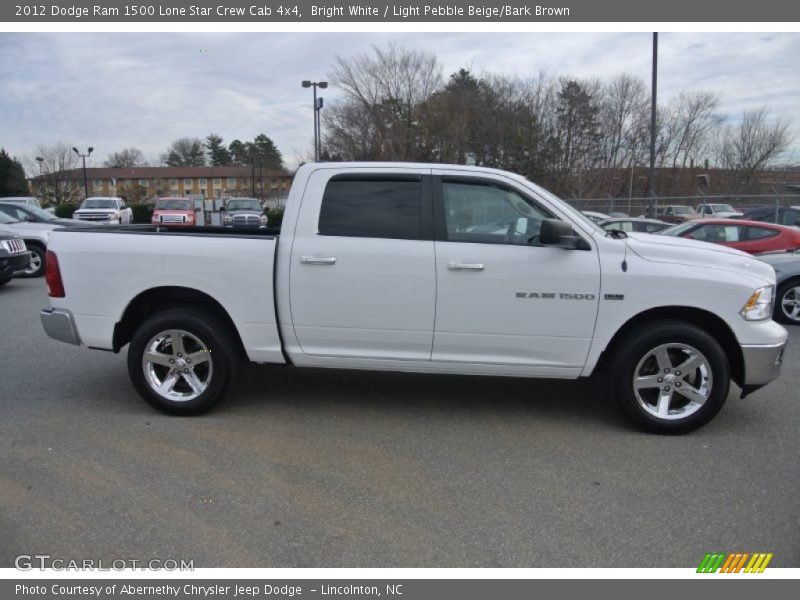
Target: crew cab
{"x":387,"y":266}
{"x":177,"y":212}
{"x":104,"y":210}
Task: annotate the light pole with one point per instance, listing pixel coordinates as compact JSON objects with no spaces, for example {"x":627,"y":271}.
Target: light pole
{"x":84,"y":157}
{"x":40,"y":160}
{"x":316,"y":106}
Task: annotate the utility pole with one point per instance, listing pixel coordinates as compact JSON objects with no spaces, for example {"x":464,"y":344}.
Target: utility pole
{"x":651,"y":180}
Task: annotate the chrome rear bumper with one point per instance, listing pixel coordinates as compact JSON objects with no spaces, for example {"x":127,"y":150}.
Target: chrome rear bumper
{"x":60,"y":325}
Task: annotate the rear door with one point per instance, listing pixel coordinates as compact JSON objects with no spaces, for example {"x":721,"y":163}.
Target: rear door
{"x":503,"y":299}
{"x":362,"y":275}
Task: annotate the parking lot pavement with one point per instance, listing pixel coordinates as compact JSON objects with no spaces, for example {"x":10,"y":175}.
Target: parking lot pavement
{"x":307,"y":468}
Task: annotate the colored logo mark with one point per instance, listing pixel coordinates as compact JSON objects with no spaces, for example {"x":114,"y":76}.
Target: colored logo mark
{"x":721,"y":562}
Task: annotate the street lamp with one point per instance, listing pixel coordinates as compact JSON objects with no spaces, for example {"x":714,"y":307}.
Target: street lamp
{"x":317,"y":106}
{"x":40,"y":160}
{"x":84,"y":157}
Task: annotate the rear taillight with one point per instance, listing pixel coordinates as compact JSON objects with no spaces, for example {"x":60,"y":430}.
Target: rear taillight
{"x":52,"y":275}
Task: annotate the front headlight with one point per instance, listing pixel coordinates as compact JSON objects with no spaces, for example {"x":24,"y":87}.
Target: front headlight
{"x":263,"y":219}
{"x":759,"y":306}
{"x":227,"y":219}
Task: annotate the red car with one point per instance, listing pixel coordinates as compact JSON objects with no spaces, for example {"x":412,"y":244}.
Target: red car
{"x":748,"y":236}
{"x":175,"y":212}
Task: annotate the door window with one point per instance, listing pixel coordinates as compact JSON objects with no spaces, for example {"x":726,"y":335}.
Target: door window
{"x":718,"y":234}
{"x":489,"y":214}
{"x":373,"y":208}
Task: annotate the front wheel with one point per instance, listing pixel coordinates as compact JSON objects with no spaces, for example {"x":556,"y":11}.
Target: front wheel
{"x":670,"y":377}
{"x":787,"y":303}
{"x":181,"y":361}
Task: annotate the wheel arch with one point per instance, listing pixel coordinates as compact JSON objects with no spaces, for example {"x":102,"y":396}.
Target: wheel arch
{"x":153,"y":300}
{"x":703,"y":319}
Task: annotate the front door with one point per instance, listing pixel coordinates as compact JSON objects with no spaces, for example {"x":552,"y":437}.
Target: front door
{"x":502,"y":298}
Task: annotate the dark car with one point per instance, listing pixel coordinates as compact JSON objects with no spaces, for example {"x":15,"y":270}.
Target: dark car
{"x":14,"y":256}
{"x":244,"y":212}
{"x":34,"y":214}
{"x":633,"y":224}
{"x":782,"y":215}
{"x":787,"y":274}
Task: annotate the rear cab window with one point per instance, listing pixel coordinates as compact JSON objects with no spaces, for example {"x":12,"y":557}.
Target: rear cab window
{"x":373,"y":207}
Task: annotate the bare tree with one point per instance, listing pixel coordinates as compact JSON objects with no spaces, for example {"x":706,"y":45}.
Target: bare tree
{"x":753,"y":143}
{"x":54,"y":174}
{"x":126,"y":158}
{"x":387,"y":88}
{"x":185,"y":152}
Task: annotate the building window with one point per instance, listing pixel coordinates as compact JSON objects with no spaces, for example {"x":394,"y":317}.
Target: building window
{"x":231,"y":182}
{"x":202,"y":182}
{"x":187,"y":182}
{"x":217,"y":182}
{"x":144,"y":182}
{"x":173,"y":183}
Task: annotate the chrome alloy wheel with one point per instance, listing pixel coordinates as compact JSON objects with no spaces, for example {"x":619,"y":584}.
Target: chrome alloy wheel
{"x":34,"y":265}
{"x":790,"y":303}
{"x":177,"y":365}
{"x":672,"y":381}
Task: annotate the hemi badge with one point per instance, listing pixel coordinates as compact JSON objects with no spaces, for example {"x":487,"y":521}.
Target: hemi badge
{"x":614,"y":297}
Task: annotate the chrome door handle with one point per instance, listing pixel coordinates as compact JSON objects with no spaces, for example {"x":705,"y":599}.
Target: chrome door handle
{"x":459,"y":266}
{"x":318,"y":260}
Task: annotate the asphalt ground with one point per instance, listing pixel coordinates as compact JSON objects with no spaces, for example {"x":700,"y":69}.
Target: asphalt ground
{"x":316,"y":468}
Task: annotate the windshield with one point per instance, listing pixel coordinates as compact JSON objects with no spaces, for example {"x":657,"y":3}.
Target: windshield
{"x":677,"y":229}
{"x":683,"y":210}
{"x":5,"y":219}
{"x":40,"y":213}
{"x":174,"y":204}
{"x":722,"y":208}
{"x":99,"y":203}
{"x":244,"y":204}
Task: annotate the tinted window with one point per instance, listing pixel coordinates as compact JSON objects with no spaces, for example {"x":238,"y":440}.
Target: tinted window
{"x":654,"y":227}
{"x":791,"y":217}
{"x":376,"y":208}
{"x":484,"y":213}
{"x":760,"y":233}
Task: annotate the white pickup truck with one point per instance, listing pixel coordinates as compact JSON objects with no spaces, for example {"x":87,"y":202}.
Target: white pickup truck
{"x":422,"y":268}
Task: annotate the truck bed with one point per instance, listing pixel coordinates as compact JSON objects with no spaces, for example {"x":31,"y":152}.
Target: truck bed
{"x":121,"y":265}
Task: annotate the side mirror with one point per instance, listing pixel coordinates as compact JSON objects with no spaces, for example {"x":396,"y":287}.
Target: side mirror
{"x":560,"y":235}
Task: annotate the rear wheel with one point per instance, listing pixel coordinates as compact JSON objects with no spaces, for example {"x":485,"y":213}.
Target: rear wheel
{"x":787,"y":303}
{"x":670,"y":377}
{"x":181,"y":361}
{"x":36,"y":266}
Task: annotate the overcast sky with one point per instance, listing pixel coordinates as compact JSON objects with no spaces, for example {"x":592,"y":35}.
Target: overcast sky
{"x":117,"y":90}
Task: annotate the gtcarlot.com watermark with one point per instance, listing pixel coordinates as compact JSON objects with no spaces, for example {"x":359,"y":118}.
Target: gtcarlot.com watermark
{"x":44,"y":562}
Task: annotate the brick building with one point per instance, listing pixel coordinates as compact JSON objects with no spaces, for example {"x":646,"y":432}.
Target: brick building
{"x":146,"y":183}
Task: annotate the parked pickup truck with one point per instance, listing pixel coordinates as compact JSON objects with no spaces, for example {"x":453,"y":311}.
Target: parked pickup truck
{"x":387,"y":267}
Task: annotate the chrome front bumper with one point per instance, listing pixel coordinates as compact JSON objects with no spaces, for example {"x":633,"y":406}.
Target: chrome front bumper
{"x":60,"y":325}
{"x":762,"y":364}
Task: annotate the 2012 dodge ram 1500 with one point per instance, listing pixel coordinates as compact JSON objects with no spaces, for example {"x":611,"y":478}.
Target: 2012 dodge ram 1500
{"x":423,"y":268}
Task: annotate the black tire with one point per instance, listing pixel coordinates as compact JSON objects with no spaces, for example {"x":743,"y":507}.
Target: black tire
{"x":198,"y":325}
{"x":639,"y":354}
{"x":790,"y":287}
{"x":38,"y":255}
{"x":4,"y":281}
